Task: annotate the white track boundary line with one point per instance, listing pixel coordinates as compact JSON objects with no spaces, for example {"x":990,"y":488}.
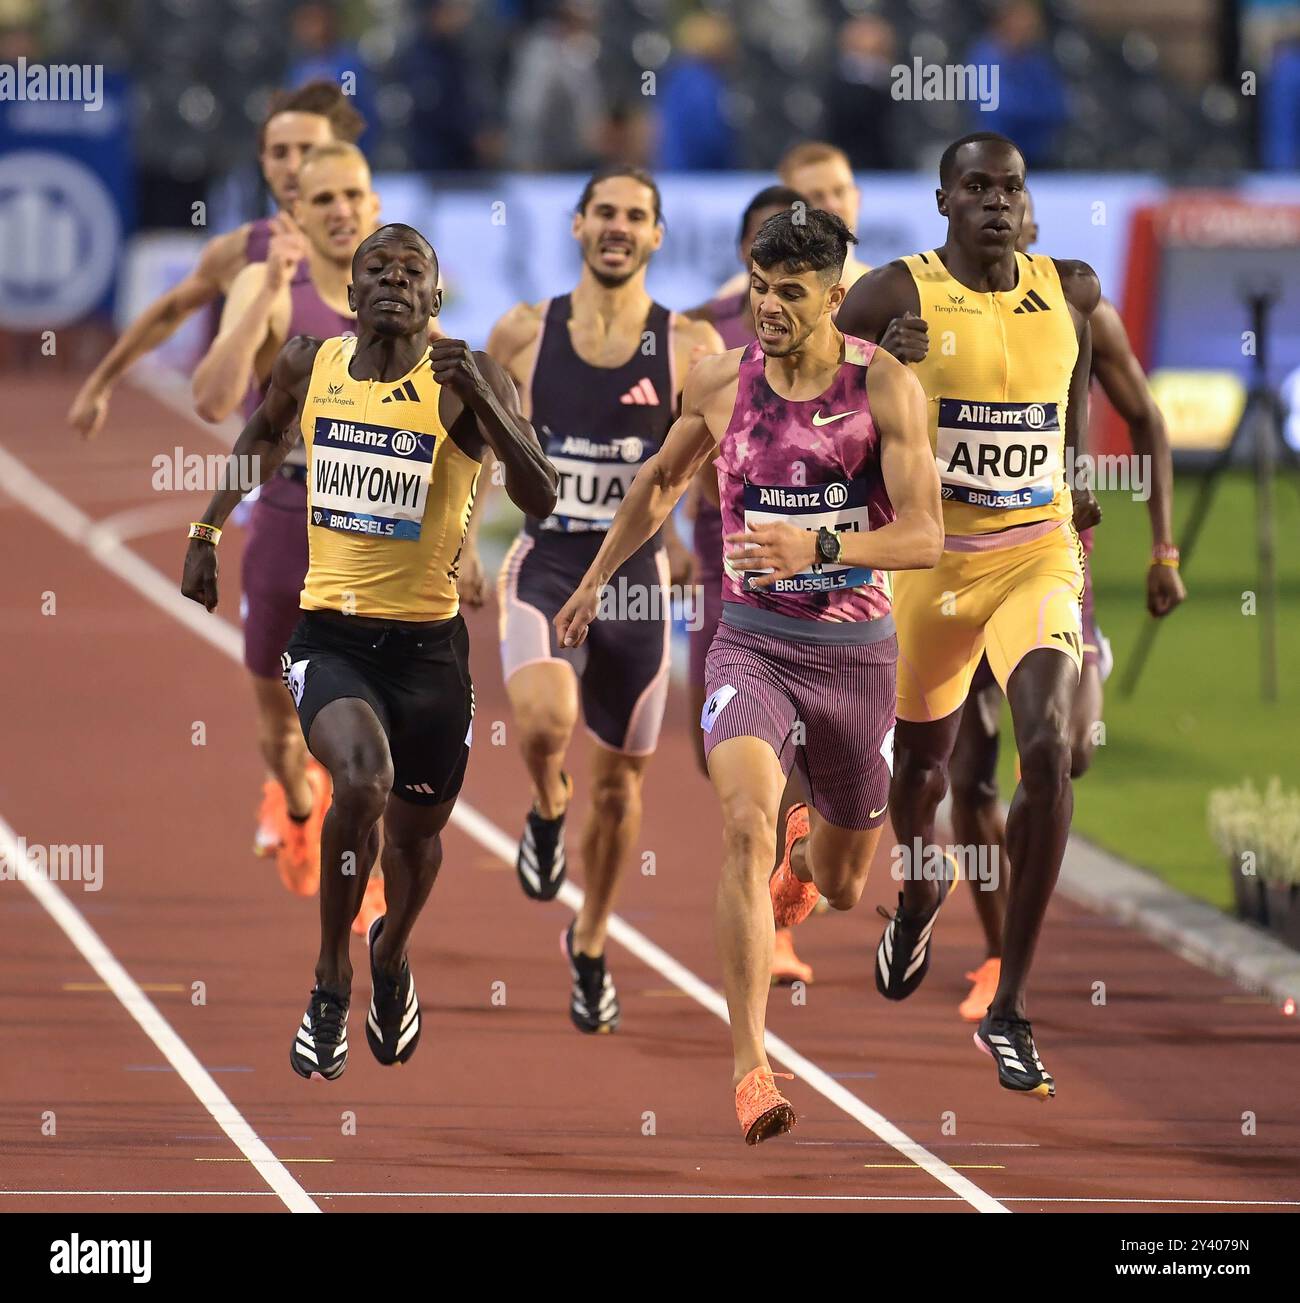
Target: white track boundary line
{"x":669,"y":1196}
{"x":160,"y":1032}
{"x":31,"y":492}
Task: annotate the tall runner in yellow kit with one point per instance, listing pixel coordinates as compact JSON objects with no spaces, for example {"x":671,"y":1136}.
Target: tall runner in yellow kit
{"x":1001,"y":345}
{"x":396,"y":429}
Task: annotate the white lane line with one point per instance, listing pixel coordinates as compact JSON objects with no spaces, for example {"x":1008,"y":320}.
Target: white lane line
{"x":152,"y":519}
{"x":487,"y":834}
{"x":159,"y":1030}
{"x":45,"y":502}
{"x":685,"y":1198}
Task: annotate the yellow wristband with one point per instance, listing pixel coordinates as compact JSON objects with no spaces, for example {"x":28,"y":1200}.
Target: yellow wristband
{"x":205,"y":533}
{"x":1170,"y":561}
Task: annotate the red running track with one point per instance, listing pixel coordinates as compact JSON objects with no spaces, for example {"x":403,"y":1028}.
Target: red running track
{"x":505,"y":1105}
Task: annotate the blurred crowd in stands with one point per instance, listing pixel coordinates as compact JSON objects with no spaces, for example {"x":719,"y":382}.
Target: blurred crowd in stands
{"x":561,"y":85}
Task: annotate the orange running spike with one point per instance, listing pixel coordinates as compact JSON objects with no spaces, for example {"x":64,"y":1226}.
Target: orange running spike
{"x":373,"y":904}
{"x":792,"y":900}
{"x":986,"y":978}
{"x":299,"y":857}
{"x":271,"y":815}
{"x":762,"y":1110}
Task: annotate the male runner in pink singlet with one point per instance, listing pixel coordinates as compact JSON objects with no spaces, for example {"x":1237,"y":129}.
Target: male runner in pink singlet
{"x":827,"y":485}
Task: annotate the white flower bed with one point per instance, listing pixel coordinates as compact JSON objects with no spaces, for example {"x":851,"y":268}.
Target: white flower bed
{"x":1244,"y":820}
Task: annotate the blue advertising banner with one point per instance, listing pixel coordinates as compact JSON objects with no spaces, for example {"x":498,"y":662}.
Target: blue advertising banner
{"x":66,"y":194}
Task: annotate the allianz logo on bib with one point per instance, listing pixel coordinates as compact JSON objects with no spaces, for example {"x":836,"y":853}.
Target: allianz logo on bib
{"x":985,"y":416}
{"x":376,"y":438}
{"x":816,"y":497}
{"x":630,"y":449}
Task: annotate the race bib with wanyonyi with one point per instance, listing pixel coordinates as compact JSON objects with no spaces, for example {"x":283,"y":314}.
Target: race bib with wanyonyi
{"x":369,"y":479}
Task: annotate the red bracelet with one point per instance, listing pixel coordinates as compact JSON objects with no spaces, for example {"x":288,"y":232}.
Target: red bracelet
{"x":1164,"y":554}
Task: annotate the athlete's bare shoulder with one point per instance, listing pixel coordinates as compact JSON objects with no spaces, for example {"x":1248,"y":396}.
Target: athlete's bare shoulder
{"x":293,"y":364}
{"x":224,"y":257}
{"x":709,"y":384}
{"x":514,"y":331}
{"x":875,"y":299}
{"x":697,"y":331}
{"x":1109,"y":338}
{"x":1079,"y":284}
{"x":693,"y":341}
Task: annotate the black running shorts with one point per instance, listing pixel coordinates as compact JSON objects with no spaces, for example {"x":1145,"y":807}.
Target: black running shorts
{"x":415,"y":677}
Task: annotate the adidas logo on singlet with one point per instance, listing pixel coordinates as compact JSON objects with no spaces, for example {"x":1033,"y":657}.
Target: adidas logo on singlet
{"x":1032,"y":303}
{"x":642,"y":394}
{"x":1072,"y":640}
{"x":407,"y":391}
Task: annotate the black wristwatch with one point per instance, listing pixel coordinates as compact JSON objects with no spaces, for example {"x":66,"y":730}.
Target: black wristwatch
{"x":828,"y":547}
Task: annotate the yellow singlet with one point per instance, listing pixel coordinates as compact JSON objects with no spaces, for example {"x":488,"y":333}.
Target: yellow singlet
{"x":389,"y":493}
{"x":997,"y":379}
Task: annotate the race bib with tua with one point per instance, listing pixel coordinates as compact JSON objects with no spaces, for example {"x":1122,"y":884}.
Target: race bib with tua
{"x":999,"y":455}
{"x":595,"y":475}
{"x":837,"y":506}
{"x":370,"y":479}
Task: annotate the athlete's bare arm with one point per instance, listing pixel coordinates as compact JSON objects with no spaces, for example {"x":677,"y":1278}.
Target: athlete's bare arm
{"x":261,"y":447}
{"x":706,"y":404}
{"x":477,"y":383}
{"x":219,"y":263}
{"x":693,"y":341}
{"x":1124,"y":382}
{"x":253,"y":322}
{"x":884,"y":307}
{"x":512,"y":337}
{"x":1082,"y":292}
{"x":914,"y":539}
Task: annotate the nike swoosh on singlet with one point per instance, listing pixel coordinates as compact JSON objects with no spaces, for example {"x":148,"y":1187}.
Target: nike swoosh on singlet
{"x":818,"y":419}
{"x":877,"y":813}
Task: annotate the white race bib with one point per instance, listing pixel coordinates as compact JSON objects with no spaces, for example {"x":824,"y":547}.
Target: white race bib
{"x":370,"y":479}
{"x":999,"y":455}
{"x":837,"y":506}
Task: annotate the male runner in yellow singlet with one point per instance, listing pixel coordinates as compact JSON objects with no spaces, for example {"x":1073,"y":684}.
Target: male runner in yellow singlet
{"x":973,"y":767}
{"x":396,"y":429}
{"x":1006,"y":381}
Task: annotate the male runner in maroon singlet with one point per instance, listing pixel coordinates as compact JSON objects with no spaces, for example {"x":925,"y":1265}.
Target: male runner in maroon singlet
{"x":300,"y":289}
{"x":731,"y":317}
{"x":827,"y":484}
{"x":973,"y":769}
{"x":599,"y":372}
{"x":296,"y":121}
